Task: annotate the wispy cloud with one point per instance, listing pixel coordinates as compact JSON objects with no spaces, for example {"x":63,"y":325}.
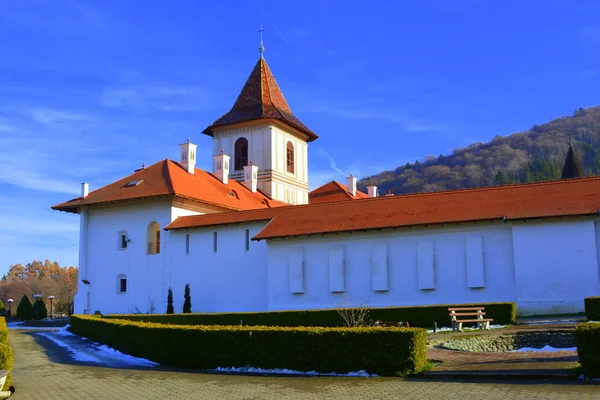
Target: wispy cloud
{"x":158,"y":97}
{"x":590,"y":33}
{"x":332,"y":164}
{"x":48,"y":116}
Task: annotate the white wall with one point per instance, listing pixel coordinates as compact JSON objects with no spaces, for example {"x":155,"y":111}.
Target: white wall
{"x":556,"y":265}
{"x":105,"y":261}
{"x":450,"y":273}
{"x":230,"y":279}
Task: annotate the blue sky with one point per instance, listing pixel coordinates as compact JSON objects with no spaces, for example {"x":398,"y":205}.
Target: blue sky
{"x":91,"y":89}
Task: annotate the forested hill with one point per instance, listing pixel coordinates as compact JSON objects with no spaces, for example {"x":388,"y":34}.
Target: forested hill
{"x":535,"y":155}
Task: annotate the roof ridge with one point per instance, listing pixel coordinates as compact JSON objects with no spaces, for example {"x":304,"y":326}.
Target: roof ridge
{"x":345,"y":189}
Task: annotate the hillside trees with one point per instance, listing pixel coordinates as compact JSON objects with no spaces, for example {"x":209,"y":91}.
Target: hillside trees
{"x":530,"y":156}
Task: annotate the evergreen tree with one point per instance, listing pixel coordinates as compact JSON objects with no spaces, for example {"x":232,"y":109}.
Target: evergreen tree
{"x":187,"y":304}
{"x":500,"y":179}
{"x":170,"y":302}
{"x":25,"y":309}
{"x":39,"y":309}
{"x":2,"y":309}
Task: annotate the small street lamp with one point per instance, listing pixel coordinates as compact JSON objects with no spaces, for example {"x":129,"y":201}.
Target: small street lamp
{"x":10,"y":301}
{"x":51,"y":298}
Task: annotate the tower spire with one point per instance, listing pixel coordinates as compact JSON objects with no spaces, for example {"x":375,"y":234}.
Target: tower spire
{"x":261,"y":47}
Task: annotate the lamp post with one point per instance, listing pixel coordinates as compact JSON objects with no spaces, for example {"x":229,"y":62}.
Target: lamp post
{"x":51,"y":298}
{"x":10,"y":301}
{"x":36,"y":296}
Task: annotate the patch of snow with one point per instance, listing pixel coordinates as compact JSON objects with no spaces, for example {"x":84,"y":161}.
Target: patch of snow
{"x":588,"y":379}
{"x":285,"y":371}
{"x":77,"y":355}
{"x":33,"y":328}
{"x":64,"y":332}
{"x":93,"y":352}
{"x":469,"y":329}
{"x":545,"y":349}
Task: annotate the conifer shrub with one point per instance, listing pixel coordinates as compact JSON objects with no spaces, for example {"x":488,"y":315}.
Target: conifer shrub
{"x":187,"y":304}
{"x":170,"y":309}
{"x":592,"y":308}
{"x":383,"y":351}
{"x":2,"y":308}
{"x":587,"y":339}
{"x":25,"y":309}
{"x":417,"y":316}
{"x":39,"y":309}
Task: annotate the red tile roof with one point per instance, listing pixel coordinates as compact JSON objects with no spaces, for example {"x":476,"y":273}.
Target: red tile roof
{"x":261,"y":98}
{"x":168,"y":178}
{"x":333,"y":191}
{"x":514,"y":202}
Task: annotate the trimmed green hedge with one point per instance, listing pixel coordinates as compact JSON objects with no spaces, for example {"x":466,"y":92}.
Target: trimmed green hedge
{"x":6,"y":354}
{"x":417,"y":316}
{"x":592,"y":308}
{"x":383,"y":351}
{"x":587,"y":338}
{"x":3,"y":331}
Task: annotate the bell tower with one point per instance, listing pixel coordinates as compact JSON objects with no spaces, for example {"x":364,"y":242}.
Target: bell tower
{"x":262,"y":128}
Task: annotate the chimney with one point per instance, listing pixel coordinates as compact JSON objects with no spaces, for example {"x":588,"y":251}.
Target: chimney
{"x":85,"y":189}
{"x":221,"y":167}
{"x":351,"y":184}
{"x":251,"y":177}
{"x":372,"y":189}
{"x":188,"y":156}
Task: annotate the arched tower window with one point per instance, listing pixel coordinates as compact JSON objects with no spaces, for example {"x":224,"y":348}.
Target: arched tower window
{"x":290,"y":157}
{"x":241,"y":153}
{"x":153,"y":238}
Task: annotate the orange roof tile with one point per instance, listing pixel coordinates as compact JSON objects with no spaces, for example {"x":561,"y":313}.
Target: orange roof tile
{"x":168,"y":178}
{"x":261,"y":98}
{"x":513,"y":202}
{"x":333,"y":191}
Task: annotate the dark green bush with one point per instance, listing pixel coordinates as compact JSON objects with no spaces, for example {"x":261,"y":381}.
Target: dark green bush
{"x":25,"y":309}
{"x":170,"y":309}
{"x":39,"y":309}
{"x":418,"y":316}
{"x":587,"y":339}
{"x":592,"y":308}
{"x":384,"y":351}
{"x":187,"y":304}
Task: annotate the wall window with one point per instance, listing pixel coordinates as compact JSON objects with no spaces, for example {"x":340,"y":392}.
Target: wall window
{"x":123,"y":240}
{"x":153,"y":238}
{"x":290,"y":157}
{"x":240,"y":154}
{"x":187,"y":243}
{"x":215,"y":242}
{"x":247,"y":239}
{"x":121,"y":283}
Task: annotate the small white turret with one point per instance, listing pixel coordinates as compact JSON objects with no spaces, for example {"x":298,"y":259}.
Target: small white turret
{"x":188,"y":156}
{"x":221,"y":167}
{"x":251,"y":177}
{"x":351,"y":184}
{"x":85,"y":189}
{"x":372,"y":190}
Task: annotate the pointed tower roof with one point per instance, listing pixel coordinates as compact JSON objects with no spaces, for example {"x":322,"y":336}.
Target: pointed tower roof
{"x":572,"y":168}
{"x":261,"y":98}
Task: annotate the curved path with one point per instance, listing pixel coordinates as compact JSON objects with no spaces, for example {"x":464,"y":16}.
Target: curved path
{"x":44,"y":371}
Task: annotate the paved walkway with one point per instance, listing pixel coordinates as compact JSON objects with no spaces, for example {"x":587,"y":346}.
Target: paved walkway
{"x":45,"y":371}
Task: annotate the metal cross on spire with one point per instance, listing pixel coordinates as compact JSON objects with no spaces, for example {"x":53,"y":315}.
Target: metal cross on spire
{"x":261,"y":47}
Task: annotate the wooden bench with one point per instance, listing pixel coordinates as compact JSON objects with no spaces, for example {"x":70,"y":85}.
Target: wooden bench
{"x":473,"y":314}
{"x":391,"y":323}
